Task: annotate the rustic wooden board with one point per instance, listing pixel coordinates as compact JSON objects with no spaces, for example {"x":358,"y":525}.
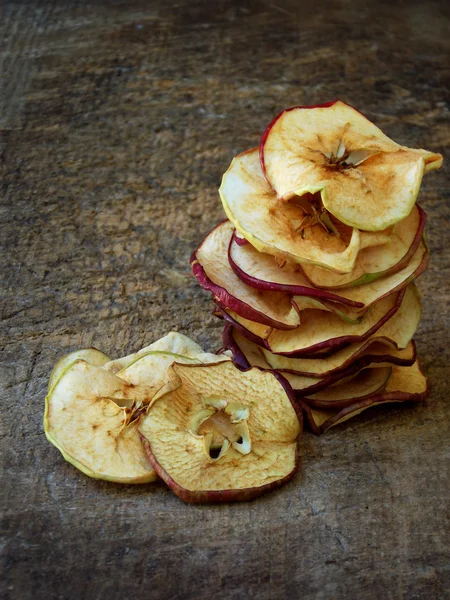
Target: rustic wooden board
{"x":118,"y":120}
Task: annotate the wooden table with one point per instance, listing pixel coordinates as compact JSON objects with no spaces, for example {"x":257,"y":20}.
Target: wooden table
{"x":118,"y":120}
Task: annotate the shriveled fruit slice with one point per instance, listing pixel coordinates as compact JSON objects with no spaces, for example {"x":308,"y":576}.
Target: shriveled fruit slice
{"x":262,"y":272}
{"x":365,"y":179}
{"x":90,"y":355}
{"x":90,"y":417}
{"x":277,"y":228}
{"x":405,"y":384}
{"x":322,"y":330}
{"x":214,"y":273}
{"x":265,"y":272}
{"x":253,"y":331}
{"x":172,"y":343}
{"x":346,"y":392}
{"x":371,"y":292}
{"x":397,"y":333}
{"x":353,"y":358}
{"x":380,"y":288}
{"x":247,"y":355}
{"x":379,"y":261}
{"x":219,"y":434}
{"x":378,"y":349}
{"x":344,"y":385}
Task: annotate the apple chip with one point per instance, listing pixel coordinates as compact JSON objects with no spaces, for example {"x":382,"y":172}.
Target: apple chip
{"x":172,"y":343}
{"x":344,"y":385}
{"x":218,"y":434}
{"x":349,"y":390}
{"x":93,"y":407}
{"x":285,"y":230}
{"x":323,"y":371}
{"x":370,"y":292}
{"x":214,"y":273}
{"x":405,"y":384}
{"x":267,"y":273}
{"x":321,"y":330}
{"x":365,"y":179}
{"x":90,"y":416}
{"x":374,"y":291}
{"x":375,"y":262}
{"x":263,"y":272}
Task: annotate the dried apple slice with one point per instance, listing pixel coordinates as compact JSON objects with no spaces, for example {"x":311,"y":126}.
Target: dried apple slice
{"x":365,"y":179}
{"x":214,"y":273}
{"x":322,"y":330}
{"x":374,"y":291}
{"x":90,"y":417}
{"x":349,"y":390}
{"x":260,"y":334}
{"x":380,"y":288}
{"x":172,"y":343}
{"x":379,"y":261}
{"x":376,"y":351}
{"x":276,"y":228}
{"x":396,"y":333}
{"x":218,"y":434}
{"x":405,"y":384}
{"x":78,"y":398}
{"x":346,"y":313}
{"x":261,"y":271}
{"x":246,"y":354}
{"x":265,"y":272}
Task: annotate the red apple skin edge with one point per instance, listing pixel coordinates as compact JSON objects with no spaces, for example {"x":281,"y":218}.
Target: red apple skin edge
{"x":242,"y":363}
{"x":295,"y":290}
{"x":219,"y":496}
{"x":328,"y":346}
{"x":227,"y":300}
{"x":272,"y":123}
{"x":366,"y":403}
{"x":411,"y":251}
{"x":229,"y":343}
{"x":240,"y":241}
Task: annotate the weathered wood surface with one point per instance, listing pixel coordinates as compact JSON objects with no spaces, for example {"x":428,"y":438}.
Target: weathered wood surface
{"x":118,"y":120}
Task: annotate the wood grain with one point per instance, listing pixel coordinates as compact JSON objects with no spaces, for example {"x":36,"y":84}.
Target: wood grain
{"x":118,"y":120}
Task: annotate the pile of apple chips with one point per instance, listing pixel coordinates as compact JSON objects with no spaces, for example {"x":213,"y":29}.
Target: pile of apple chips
{"x":313,"y":274}
{"x":172,"y":411}
{"x":314,"y":270}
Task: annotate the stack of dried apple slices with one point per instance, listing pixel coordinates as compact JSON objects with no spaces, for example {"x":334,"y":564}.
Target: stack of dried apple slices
{"x":313,"y":274}
{"x":314,"y":270}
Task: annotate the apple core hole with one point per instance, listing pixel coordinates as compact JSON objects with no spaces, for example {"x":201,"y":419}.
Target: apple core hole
{"x":214,"y":452}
